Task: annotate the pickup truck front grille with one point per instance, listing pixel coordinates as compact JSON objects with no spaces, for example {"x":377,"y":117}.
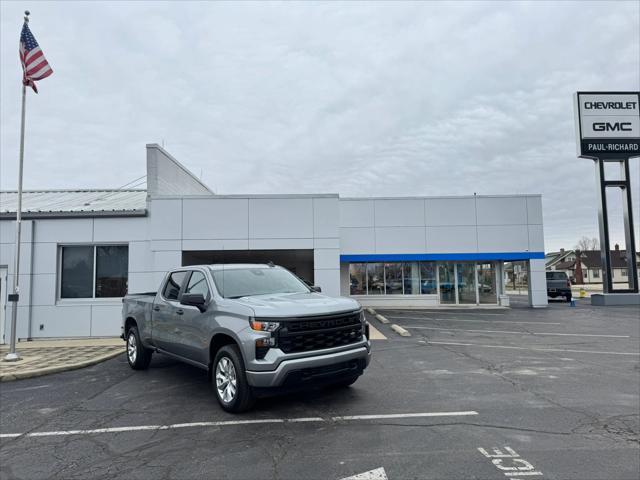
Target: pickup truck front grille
{"x":315,"y":333}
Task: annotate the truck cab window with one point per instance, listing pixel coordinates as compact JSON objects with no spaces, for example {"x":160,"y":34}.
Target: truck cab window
{"x":172,"y":288}
{"x":198,"y":284}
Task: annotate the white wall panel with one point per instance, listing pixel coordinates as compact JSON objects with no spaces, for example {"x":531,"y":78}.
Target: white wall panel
{"x":281,"y":243}
{"x":64,"y":230}
{"x":119,"y":229}
{"x":242,"y":244}
{"x":45,"y":258}
{"x":328,"y":280}
{"x":62,"y":321}
{"x":43,"y":291}
{"x":450,"y":211}
{"x":451,"y":239}
{"x":325,"y":258}
{"x":534,"y":210}
{"x":502,"y":210}
{"x":281,"y":218}
{"x":7,"y":231}
{"x":356,"y":213}
{"x":142,"y":282}
{"x":164,"y":245}
{"x":163,"y":261}
{"x":503,"y":238}
{"x":399,"y":213}
{"x":7,"y":259}
{"x":400,"y":239}
{"x":326,"y":217}
{"x":106,"y":320}
{"x":357,"y":240}
{"x":536,"y":238}
{"x":140,"y":257}
{"x":326,"y":242}
{"x":165,"y":219}
{"x":213,"y":218}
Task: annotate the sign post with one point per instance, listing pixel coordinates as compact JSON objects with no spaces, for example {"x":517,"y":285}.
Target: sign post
{"x":608,"y":130}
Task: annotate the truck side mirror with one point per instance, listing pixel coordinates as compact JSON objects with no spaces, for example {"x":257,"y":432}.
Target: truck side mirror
{"x":194,"y":300}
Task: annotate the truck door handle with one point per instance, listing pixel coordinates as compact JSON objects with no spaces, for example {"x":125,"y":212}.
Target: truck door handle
{"x":179,"y":311}
{"x":156,"y":308}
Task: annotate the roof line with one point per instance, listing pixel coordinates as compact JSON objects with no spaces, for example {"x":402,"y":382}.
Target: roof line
{"x":78,"y":190}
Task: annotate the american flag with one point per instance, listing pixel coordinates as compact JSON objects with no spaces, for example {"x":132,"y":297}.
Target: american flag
{"x":34,"y":65}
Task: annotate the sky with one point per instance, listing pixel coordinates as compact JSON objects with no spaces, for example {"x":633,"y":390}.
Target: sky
{"x":360,"y":99}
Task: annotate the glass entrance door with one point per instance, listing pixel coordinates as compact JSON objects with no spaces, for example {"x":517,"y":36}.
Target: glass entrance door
{"x":466,"y":283}
{"x":487,"y":283}
{"x":447,"y":283}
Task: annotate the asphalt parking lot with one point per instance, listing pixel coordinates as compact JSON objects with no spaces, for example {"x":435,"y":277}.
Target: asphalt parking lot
{"x":555,"y":390}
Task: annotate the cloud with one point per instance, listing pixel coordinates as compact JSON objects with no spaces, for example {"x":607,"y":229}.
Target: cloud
{"x":359,"y":99}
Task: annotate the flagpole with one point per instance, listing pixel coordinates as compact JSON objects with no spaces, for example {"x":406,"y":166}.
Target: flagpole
{"x":13,"y":356}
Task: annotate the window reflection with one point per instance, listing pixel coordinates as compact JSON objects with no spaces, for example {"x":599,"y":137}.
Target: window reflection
{"x":411,"y":276}
{"x":358,"y":279}
{"x":487,"y":283}
{"x":393,"y":278}
{"x":428,"y":279}
{"x":375,"y":278}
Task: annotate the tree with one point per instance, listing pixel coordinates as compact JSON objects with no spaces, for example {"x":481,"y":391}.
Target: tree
{"x":586,"y":243}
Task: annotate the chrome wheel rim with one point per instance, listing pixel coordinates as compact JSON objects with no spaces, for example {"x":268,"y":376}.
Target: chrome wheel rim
{"x":226,"y":380}
{"x":132,"y":351}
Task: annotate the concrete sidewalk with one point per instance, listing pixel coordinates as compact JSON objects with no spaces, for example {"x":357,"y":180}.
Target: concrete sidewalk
{"x":41,"y":357}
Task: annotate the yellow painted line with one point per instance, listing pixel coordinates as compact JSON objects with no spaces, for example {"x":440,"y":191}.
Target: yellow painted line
{"x":375,"y":333}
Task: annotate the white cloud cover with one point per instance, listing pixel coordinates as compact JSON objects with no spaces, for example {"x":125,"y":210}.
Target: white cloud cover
{"x":354,"y":98}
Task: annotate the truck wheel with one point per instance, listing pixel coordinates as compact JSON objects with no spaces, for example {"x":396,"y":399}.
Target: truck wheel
{"x":230,"y":381}
{"x":138,"y":356}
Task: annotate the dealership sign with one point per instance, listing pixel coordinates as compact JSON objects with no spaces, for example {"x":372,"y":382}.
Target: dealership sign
{"x":608,"y":124}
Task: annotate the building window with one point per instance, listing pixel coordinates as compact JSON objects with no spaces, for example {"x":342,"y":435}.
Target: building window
{"x":623,"y":272}
{"x":428,"y":279}
{"x":358,"y":279}
{"x":411,"y":276}
{"x":94,"y":271}
{"x":375,"y":278}
{"x":596,"y":273}
{"x":393,"y":278}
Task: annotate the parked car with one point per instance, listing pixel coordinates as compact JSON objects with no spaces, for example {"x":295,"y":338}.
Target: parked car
{"x":558,"y":285}
{"x":255,"y":328}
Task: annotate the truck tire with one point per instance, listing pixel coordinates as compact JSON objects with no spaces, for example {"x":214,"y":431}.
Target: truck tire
{"x":230,"y":380}
{"x":138,"y":355}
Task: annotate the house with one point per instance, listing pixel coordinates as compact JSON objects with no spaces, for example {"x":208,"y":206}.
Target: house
{"x":590,"y":263}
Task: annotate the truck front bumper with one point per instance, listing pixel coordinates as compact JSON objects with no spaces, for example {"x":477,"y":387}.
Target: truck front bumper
{"x":324,"y":367}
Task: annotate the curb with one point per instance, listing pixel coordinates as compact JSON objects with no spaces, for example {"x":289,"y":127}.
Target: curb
{"x":371,"y":311}
{"x":400,"y":331}
{"x":382,"y":319}
{"x":60,"y":368}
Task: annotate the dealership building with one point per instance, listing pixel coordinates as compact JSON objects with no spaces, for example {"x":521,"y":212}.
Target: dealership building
{"x":82,"y":250}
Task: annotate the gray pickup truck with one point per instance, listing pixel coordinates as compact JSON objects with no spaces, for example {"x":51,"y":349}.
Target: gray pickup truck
{"x":255,"y":328}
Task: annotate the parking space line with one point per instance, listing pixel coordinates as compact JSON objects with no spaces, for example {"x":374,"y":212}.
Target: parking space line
{"x":517,"y":333}
{"x":461,"y":312}
{"x":475,"y":321}
{"x":404,"y":415}
{"x":137,"y":428}
{"x":510,"y":347}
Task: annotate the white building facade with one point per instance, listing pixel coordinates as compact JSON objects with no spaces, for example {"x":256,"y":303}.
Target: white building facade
{"x":81,"y":251}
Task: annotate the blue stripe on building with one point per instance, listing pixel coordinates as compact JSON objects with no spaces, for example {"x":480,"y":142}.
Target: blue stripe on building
{"x":412,"y":257}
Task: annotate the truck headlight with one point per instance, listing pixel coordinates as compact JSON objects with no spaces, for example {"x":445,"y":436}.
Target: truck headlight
{"x":261,"y":326}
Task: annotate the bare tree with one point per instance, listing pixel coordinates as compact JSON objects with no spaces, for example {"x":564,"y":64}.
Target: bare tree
{"x":586,"y":243}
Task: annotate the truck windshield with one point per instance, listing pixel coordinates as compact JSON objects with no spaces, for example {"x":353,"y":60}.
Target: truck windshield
{"x":246,"y":282}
